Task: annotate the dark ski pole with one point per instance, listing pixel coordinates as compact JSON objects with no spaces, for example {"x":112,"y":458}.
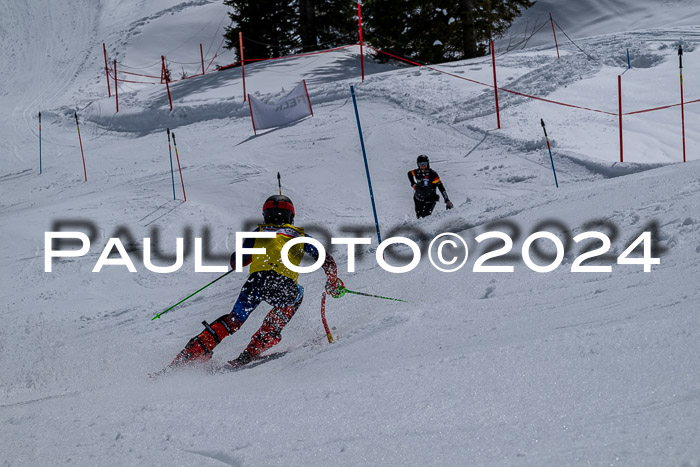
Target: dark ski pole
{"x":39,"y":142}
{"x":81,"y":145}
{"x":550,"y":153}
{"x":279,"y":182}
{"x":172,"y":175}
{"x":191,"y":295}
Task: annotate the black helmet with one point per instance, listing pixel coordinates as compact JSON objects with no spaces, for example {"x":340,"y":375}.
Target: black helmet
{"x":278,"y":209}
{"x":423,"y":159}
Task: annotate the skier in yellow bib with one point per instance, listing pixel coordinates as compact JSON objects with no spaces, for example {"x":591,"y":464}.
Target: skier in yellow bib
{"x":270,"y":281}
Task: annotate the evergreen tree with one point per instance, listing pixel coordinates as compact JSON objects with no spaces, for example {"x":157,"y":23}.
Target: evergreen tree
{"x":268,"y":27}
{"x":438,"y":30}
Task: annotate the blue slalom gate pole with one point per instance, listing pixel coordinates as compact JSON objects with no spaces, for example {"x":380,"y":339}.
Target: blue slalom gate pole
{"x":550,"y":153}
{"x":171,"y":164}
{"x":364,"y":155}
{"x":39,"y":142}
{"x":629,"y":65}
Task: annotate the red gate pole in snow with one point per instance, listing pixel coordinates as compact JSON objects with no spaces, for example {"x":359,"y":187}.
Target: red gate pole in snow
{"x":308,"y":98}
{"x":252,"y":118}
{"x":323,"y":318}
{"x":167,"y":86}
{"x":116,"y":90}
{"x":619,"y":100}
{"x":680,"y":62}
{"x":555,"y":35}
{"x":495,"y":86}
{"x":201,"y":55}
{"x":81,"y":145}
{"x":240,"y":45}
{"x":362,"y":57}
{"x":104,"y":49}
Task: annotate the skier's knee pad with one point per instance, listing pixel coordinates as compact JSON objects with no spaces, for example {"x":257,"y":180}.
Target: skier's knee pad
{"x":215,"y":332}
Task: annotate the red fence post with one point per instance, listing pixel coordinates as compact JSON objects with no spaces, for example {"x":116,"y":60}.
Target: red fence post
{"x":104,"y":49}
{"x":495,"y":86}
{"x":116,"y":90}
{"x":362,"y":56}
{"x":240,"y":42}
{"x":308,"y":98}
{"x":680,"y":62}
{"x":555,"y":35}
{"x":167,"y":86}
{"x":619,"y":99}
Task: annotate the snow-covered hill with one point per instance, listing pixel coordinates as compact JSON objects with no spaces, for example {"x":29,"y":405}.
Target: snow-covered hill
{"x":478,"y":368}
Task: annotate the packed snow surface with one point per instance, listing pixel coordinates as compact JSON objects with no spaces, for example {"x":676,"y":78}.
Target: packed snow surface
{"x":475,"y":368}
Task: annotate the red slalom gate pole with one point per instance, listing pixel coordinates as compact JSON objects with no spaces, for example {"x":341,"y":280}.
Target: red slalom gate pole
{"x":240,"y":45}
{"x":555,"y":35}
{"x":495,"y":86}
{"x":619,"y":100}
{"x":201,"y":55}
{"x":362,"y":56}
{"x":81,"y":145}
{"x":307,"y":98}
{"x":167,"y":86}
{"x":116,"y":90}
{"x":104,"y":49}
{"x":680,"y":63}
{"x":252,"y":118}
{"x":178,"y":164}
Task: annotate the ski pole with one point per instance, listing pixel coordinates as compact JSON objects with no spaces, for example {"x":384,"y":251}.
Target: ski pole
{"x":550,"y":153}
{"x":191,"y":295}
{"x":323,"y":318}
{"x":370,"y":295}
{"x":279,"y":182}
{"x":172,"y":176}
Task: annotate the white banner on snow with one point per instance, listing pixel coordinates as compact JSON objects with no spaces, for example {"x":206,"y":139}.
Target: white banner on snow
{"x":294,"y":106}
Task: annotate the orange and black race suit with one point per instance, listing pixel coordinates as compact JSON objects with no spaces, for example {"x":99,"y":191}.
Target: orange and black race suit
{"x":425,"y":184}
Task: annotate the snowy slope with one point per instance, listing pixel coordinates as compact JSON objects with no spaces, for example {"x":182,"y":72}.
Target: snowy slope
{"x":520,"y":368}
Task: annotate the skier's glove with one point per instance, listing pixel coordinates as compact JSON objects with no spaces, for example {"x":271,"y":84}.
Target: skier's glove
{"x":449,"y":205}
{"x":414,"y":187}
{"x":335,"y":288}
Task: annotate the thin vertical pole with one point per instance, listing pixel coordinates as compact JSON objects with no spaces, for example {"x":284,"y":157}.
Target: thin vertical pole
{"x":364,"y":155}
{"x":308,"y":98}
{"x":252,"y":118}
{"x":104,"y":49}
{"x":116,"y":90}
{"x":40,"y":142}
{"x":629,"y":64}
{"x":619,"y":99}
{"x":495,"y":86}
{"x":167,"y":86}
{"x":81,"y":145}
{"x":240,"y":48}
{"x":551,"y":159}
{"x":362,"y":56}
{"x":555,"y":35}
{"x":172,"y":176}
{"x":184,"y":195}
{"x":680,"y":63}
{"x":201,"y":55}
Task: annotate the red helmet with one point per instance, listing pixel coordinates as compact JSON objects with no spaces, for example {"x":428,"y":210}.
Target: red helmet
{"x":278,"y":209}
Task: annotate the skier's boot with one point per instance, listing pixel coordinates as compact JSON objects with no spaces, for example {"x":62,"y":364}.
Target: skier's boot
{"x":200,"y":348}
{"x":269,"y":334}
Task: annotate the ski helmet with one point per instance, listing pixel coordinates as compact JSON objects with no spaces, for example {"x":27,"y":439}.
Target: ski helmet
{"x":423,"y":159}
{"x":278,"y":209}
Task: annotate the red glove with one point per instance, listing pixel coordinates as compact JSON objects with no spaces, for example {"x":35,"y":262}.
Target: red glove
{"x":335,"y":288}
